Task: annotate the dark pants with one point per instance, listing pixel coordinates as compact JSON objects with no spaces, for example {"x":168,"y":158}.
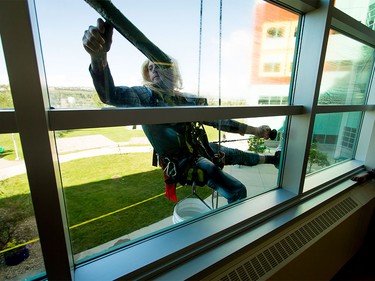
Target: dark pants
{"x":228,"y":186}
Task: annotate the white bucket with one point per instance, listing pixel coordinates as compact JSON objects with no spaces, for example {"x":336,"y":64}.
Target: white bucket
{"x":188,"y":208}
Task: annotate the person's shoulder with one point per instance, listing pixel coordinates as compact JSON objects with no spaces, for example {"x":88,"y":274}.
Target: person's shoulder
{"x":137,"y":89}
{"x":132,"y":91}
{"x":141,"y":88}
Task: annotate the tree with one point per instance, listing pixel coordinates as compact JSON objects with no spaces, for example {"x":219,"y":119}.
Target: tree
{"x":257,"y":144}
{"x":316,"y":157}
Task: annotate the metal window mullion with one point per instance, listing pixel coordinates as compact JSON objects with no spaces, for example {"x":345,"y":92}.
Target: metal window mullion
{"x":310,"y":62}
{"x":23,"y":56}
{"x":342,"y":108}
{"x":352,"y":27}
{"x":301,"y":6}
{"x":8,"y":122}
{"x":75,"y":119}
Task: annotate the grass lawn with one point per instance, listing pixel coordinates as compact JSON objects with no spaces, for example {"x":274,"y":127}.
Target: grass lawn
{"x":7,"y":143}
{"x":106,"y":197}
{"x":116,"y":134}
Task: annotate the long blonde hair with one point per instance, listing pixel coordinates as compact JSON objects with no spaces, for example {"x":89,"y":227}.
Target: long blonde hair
{"x":170,"y":74}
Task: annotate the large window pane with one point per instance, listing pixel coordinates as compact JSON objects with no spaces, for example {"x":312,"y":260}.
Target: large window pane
{"x":347,"y":71}
{"x":334,"y":139}
{"x":5,"y":93}
{"x":121,"y":196}
{"x":252,"y":61}
{"x":20,"y":252}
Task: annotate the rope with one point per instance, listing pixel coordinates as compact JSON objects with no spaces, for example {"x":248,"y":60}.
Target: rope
{"x":90,"y":220}
{"x":200,"y":47}
{"x":220,"y":40}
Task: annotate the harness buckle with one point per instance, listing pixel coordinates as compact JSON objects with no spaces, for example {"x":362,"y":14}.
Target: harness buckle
{"x":170,"y":169}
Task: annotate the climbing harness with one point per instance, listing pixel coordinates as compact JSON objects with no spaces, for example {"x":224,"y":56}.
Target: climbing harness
{"x":200,"y":47}
{"x":183,"y":168}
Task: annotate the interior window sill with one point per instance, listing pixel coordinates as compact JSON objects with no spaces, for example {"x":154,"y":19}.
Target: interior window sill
{"x":243,"y":223}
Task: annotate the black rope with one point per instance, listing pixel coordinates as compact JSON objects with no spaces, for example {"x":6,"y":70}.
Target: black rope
{"x":200,"y":46}
{"x":220,"y":39}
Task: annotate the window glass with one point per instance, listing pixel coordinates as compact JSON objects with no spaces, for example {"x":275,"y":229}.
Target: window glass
{"x":121,"y":196}
{"x":361,"y":10}
{"x":20,"y":251}
{"x":334,"y":139}
{"x":272,"y":55}
{"x":347,"y":71}
{"x":249,"y":58}
{"x":5,"y":93}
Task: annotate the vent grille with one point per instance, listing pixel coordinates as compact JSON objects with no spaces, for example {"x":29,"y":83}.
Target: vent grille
{"x":258,"y":265}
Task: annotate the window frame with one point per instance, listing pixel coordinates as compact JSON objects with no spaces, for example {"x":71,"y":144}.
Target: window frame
{"x":21,"y":46}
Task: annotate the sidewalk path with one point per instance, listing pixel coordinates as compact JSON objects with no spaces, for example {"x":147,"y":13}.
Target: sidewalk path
{"x":75,"y":148}
{"x":257,"y":178}
{"x":10,"y":169}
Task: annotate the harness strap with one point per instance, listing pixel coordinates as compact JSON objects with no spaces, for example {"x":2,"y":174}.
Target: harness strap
{"x":184,"y":169}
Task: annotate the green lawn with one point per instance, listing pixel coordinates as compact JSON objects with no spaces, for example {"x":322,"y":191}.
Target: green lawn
{"x":7,"y":144}
{"x":106,"y":197}
{"x":116,"y":134}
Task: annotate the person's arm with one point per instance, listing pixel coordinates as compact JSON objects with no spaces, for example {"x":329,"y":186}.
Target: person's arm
{"x":263,"y":131}
{"x":121,"y":96}
{"x":232,"y":126}
{"x":97,"y":41}
{"x":362,"y":178}
{"x":103,"y":83}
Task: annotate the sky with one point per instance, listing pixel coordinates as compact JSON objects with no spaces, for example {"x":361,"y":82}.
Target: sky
{"x":174,"y":26}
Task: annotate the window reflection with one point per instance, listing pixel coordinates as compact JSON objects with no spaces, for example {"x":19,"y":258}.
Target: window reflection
{"x":272,"y":55}
{"x":122,"y":195}
{"x":256,"y":55}
{"x":20,"y":251}
{"x":347,"y":71}
{"x":334,"y":139}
